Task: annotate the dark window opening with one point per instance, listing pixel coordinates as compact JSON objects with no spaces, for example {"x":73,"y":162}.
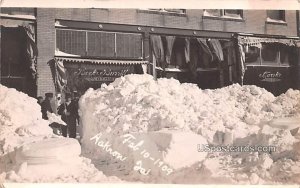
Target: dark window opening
{"x":233,"y":13}
{"x":269,"y":53}
{"x":253,"y":55}
{"x":276,"y":14}
{"x":178,"y":59}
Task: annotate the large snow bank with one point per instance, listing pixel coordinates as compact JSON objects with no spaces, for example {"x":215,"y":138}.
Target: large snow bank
{"x":233,"y":115}
{"x":30,"y":152}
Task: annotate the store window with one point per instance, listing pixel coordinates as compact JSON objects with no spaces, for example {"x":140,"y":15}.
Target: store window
{"x":99,"y":44}
{"x":225,"y":13}
{"x":276,"y":15}
{"x":253,"y":55}
{"x":269,"y":54}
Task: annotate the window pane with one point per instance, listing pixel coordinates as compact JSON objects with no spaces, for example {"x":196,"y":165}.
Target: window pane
{"x":71,"y":41}
{"x":233,"y":13}
{"x":101,"y":44}
{"x":213,"y":12}
{"x":180,"y":11}
{"x":129,"y":45}
{"x":285,"y":53}
{"x":252,"y":55}
{"x":269,"y":53}
{"x":276,"y":14}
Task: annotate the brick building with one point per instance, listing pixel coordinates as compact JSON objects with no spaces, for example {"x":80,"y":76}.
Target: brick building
{"x":113,"y":42}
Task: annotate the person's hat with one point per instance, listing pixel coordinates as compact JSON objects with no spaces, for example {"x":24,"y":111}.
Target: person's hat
{"x":49,"y":94}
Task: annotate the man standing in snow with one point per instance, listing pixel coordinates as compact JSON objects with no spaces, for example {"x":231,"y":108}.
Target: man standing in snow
{"x":74,"y":116}
{"x":46,"y":105}
{"x":65,"y":111}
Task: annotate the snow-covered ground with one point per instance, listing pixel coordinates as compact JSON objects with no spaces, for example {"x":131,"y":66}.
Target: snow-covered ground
{"x":142,"y":130}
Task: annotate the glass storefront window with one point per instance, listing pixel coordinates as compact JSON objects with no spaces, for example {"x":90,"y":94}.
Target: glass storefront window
{"x":253,"y":55}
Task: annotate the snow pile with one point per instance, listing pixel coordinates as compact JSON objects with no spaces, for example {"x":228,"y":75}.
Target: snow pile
{"x":20,"y":116}
{"x":233,"y":115}
{"x":139,"y":104}
{"x":30,"y":152}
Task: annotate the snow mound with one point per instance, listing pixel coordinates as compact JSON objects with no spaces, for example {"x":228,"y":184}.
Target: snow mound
{"x":234,"y":115}
{"x":30,"y":152}
{"x":137,"y":103}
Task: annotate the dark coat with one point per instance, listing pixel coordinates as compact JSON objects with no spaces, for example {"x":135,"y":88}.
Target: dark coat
{"x":46,"y":107}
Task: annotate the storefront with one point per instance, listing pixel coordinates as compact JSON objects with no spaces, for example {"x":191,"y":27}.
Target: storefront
{"x":78,"y":75}
{"x":18,"y":49}
{"x":270,"y":63}
{"x":88,"y":55}
{"x":204,"y":58}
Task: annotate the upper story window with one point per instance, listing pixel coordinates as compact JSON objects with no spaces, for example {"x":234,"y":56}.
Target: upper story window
{"x":224,"y":13}
{"x":25,"y":13}
{"x":167,"y":11}
{"x":275,"y":15}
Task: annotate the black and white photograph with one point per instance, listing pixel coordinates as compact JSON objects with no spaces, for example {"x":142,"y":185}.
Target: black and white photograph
{"x":150,"y":95}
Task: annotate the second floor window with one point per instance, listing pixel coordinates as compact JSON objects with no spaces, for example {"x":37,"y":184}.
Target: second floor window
{"x":231,"y":13}
{"x":278,"y":15}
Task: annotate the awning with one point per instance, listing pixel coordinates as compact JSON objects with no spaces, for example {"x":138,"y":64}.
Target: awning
{"x":100,"y":62}
{"x":256,"y":41}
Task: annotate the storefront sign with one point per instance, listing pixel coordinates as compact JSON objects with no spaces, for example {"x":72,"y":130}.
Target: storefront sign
{"x":96,"y":75}
{"x":81,"y":78}
{"x":268,"y":76}
{"x":277,"y":80}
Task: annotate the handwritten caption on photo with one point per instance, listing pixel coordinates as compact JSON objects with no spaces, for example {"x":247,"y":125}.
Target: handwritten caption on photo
{"x":136,"y":146}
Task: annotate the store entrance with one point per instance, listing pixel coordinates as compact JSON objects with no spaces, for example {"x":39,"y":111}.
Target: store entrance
{"x":15,"y":71}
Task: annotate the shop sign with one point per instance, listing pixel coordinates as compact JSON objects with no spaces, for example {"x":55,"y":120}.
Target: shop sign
{"x":268,"y":76}
{"x":102,"y":75}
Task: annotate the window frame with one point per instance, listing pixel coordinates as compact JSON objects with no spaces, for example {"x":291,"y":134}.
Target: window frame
{"x":163,"y":11}
{"x":262,"y":62}
{"x":222,"y":14}
{"x":281,"y":14}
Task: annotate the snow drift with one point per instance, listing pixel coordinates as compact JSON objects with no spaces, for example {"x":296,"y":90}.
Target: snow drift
{"x":30,"y":152}
{"x":233,"y":115}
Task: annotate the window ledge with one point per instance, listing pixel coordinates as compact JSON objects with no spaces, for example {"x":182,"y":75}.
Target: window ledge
{"x":276,"y":22}
{"x":224,"y":18}
{"x":161,"y":13}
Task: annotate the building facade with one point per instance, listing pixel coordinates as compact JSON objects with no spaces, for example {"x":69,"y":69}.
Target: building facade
{"x":84,"y":48}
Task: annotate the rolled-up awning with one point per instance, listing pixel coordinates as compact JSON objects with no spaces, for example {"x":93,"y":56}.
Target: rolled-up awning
{"x":100,"y":62}
{"x":256,"y":41}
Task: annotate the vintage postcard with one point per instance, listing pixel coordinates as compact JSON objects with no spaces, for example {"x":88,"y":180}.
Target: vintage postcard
{"x":162,"y":92}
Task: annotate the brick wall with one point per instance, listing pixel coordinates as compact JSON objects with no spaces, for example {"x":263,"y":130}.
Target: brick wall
{"x":254,"y":20}
{"x":46,"y":46}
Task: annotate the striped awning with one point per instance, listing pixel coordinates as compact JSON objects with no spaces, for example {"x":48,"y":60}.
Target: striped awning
{"x":256,"y":41}
{"x":100,"y":62}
